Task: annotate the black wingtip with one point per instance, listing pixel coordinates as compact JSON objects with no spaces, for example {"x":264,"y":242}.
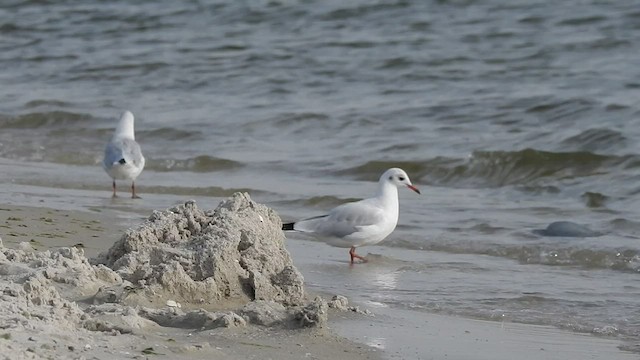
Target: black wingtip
{"x":122,"y":161}
{"x":288,"y":226}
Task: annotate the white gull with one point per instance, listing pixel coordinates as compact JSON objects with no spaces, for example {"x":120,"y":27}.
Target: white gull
{"x":123,"y":158}
{"x":360,"y":223}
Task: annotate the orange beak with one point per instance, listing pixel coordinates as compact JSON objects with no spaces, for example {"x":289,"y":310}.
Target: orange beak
{"x":414,"y":188}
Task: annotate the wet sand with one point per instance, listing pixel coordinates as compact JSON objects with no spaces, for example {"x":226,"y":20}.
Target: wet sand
{"x":409,"y":335}
{"x":45,"y":228}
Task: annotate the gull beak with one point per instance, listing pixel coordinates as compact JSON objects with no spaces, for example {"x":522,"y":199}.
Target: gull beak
{"x":414,"y":188}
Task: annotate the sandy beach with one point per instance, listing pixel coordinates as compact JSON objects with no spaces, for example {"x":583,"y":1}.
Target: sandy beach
{"x":375,"y":332}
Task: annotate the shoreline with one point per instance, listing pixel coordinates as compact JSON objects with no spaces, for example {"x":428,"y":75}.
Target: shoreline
{"x":451,"y":337}
{"x":403,"y":333}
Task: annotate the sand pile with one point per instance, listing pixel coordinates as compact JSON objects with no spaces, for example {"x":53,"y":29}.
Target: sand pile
{"x":215,"y":260}
{"x":182,"y":268}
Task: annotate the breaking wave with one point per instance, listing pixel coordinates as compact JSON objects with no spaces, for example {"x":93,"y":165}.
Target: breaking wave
{"x":526,"y":167}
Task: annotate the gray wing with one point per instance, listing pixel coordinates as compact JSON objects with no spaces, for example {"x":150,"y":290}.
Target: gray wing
{"x":112,"y":155}
{"x":132,"y":153}
{"x":343,"y":220}
{"x":123,"y":151}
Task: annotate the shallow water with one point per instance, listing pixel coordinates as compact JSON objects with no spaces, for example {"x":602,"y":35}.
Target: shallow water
{"x":508,"y":117}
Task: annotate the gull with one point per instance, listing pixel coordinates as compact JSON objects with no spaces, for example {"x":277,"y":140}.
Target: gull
{"x":123,"y":158}
{"x":360,"y":223}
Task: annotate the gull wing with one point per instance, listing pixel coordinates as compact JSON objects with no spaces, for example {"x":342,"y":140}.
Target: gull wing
{"x":123,"y":151}
{"x":343,"y":220}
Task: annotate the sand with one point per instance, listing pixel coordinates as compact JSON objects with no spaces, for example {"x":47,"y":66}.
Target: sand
{"x":152,"y":294}
{"x":45,"y":228}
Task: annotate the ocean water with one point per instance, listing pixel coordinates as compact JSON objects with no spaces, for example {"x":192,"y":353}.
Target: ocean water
{"x":508,"y":116}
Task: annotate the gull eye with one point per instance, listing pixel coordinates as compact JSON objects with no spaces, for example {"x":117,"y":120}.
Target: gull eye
{"x":391,"y":177}
{"x":401,"y":178}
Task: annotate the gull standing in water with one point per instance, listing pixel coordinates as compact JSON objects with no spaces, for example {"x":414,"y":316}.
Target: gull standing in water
{"x":364,"y":222}
{"x":123,"y":158}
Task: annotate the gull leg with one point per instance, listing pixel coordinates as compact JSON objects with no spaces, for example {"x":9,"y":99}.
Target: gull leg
{"x":353,"y":254}
{"x":114,"y":189}
{"x":133,"y":191}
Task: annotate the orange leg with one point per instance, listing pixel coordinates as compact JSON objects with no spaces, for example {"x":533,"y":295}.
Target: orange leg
{"x":353,"y":254}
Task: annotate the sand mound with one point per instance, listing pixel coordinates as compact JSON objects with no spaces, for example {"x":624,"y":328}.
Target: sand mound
{"x":216,"y":260}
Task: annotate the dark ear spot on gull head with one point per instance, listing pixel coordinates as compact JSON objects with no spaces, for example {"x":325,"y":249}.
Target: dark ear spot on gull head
{"x":399,"y":177}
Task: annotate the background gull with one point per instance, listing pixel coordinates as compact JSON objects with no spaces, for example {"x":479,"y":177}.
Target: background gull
{"x":364,"y":222}
{"x":123,"y":158}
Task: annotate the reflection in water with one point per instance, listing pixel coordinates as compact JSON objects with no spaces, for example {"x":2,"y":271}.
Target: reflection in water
{"x":386,"y":280}
{"x":378,"y":304}
{"x":379,"y":275}
{"x":377,"y":342}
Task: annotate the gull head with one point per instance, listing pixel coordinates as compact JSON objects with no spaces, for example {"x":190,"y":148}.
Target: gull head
{"x":398,"y":177}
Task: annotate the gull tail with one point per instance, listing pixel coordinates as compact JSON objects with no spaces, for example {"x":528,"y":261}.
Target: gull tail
{"x":288,"y":226}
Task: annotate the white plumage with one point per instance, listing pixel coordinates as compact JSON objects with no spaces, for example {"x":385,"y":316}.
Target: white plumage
{"x":360,"y":223}
{"x":123,"y":158}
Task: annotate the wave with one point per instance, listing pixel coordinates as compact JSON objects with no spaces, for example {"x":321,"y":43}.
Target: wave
{"x":52,"y":146}
{"x":561,"y":254}
{"x":212,"y":191}
{"x":172,"y":134}
{"x":596,"y":140}
{"x":60,"y":122}
{"x":614,"y":259}
{"x":200,"y":164}
{"x":50,"y":119}
{"x":145,"y":67}
{"x":531,"y":308}
{"x":594,"y":199}
{"x":358,"y":11}
{"x":526,"y":167}
{"x":584,"y":20}
{"x":46,"y":102}
{"x":209,"y":191}
{"x":293,"y":119}
{"x":554,"y":110}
